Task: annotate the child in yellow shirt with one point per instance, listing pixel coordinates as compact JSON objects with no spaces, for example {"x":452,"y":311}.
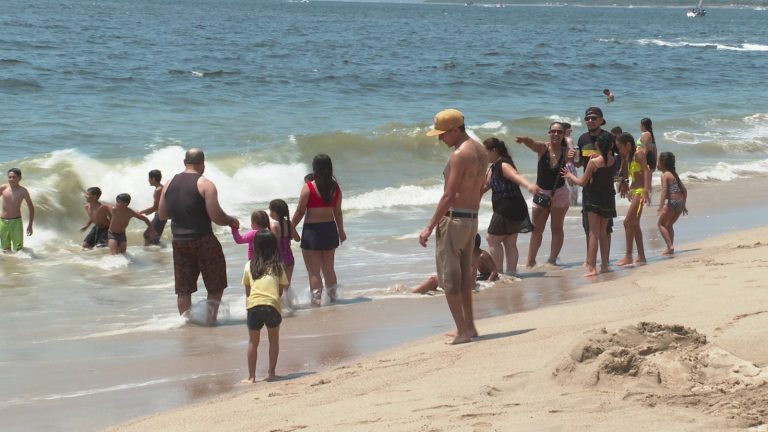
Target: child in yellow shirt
{"x":264,"y":278}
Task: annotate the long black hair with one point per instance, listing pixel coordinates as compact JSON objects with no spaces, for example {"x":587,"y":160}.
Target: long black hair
{"x":266,"y":257}
{"x":322,"y":170}
{"x":648,"y":125}
{"x":668,"y":159}
{"x":605,"y":143}
{"x":280,"y":208}
{"x":494,"y":143}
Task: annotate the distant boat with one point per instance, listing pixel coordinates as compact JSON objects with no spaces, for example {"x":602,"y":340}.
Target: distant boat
{"x":698,"y":11}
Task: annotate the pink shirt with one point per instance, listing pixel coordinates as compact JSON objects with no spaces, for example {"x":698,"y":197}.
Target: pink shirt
{"x":245,"y":238}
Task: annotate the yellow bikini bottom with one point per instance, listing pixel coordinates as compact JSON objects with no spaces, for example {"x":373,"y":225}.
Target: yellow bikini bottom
{"x":638,"y":192}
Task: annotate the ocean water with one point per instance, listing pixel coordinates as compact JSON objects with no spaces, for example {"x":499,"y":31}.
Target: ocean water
{"x":99,"y":93}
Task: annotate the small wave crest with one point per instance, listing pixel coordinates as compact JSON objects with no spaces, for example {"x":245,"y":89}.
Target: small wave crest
{"x":711,"y":45}
{"x":408,"y":195}
{"x":747,"y":135}
{"x":100,"y":390}
{"x":724,"y":171}
{"x":62,"y":176}
{"x":202,"y":73}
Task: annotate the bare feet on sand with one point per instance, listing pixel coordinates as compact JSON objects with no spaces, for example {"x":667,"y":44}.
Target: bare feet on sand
{"x":248,"y":381}
{"x":272,"y":377}
{"x":459,"y":340}
{"x":604,"y":269}
{"x":530,"y":264}
{"x":668,"y":252}
{"x":640,"y":261}
{"x":472,"y":334}
{"x":624,"y":261}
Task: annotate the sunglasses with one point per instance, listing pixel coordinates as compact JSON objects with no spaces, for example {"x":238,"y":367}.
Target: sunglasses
{"x":556,"y":132}
{"x":591,"y":118}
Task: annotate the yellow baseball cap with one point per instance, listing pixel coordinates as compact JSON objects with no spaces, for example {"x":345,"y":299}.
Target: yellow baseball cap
{"x":445,"y":121}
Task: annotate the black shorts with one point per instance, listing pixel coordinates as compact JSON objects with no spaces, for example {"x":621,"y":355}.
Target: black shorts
{"x":260,"y":315}
{"x":96,"y":237}
{"x":158,"y":225}
{"x":320,"y":236}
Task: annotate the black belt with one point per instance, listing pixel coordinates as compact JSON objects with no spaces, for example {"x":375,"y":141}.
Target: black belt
{"x":461,"y":214}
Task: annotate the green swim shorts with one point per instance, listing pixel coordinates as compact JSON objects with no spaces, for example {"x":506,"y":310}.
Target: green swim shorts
{"x":11,"y":234}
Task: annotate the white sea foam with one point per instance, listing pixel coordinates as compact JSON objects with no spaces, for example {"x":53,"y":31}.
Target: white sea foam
{"x":252,"y":183}
{"x":747,"y":135}
{"x":154,"y":324}
{"x":726,"y":172}
{"x":104,"y":262}
{"x":100,"y":390}
{"x":408,"y":195}
{"x":719,"y":46}
{"x":574,"y":121}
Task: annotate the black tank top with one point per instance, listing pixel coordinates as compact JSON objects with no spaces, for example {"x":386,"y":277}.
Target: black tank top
{"x":186,"y":208}
{"x":545,"y":175}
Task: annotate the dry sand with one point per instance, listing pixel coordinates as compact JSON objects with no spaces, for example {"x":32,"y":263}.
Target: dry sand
{"x":678,"y":345}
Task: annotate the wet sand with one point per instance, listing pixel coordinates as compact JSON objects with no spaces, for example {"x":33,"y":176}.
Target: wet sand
{"x":674,"y":345}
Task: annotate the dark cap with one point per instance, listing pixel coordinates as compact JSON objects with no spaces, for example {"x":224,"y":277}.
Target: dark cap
{"x":596,"y":111}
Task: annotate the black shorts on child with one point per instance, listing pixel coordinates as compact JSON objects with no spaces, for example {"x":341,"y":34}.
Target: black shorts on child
{"x":260,"y":315}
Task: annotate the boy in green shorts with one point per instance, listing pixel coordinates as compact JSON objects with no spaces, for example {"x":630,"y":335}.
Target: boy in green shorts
{"x":11,"y":226}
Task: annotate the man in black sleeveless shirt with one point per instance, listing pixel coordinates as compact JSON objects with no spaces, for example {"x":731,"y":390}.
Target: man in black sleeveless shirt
{"x":191,"y":202}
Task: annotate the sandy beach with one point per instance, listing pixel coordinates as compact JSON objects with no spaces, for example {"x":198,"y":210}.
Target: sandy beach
{"x":677,"y":345}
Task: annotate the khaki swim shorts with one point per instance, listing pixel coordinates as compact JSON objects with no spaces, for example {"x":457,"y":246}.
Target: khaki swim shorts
{"x":455,"y":245}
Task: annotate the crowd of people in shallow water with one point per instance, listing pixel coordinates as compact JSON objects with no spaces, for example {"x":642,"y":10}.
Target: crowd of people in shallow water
{"x":612,"y":163}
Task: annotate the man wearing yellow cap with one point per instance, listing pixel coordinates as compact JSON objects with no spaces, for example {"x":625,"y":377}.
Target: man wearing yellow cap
{"x":456,"y":219}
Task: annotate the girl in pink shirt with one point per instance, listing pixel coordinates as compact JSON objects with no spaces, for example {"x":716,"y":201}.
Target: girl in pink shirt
{"x":259,"y":221}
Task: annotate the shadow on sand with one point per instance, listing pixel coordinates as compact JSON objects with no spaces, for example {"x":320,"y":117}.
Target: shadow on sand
{"x":503,"y":334}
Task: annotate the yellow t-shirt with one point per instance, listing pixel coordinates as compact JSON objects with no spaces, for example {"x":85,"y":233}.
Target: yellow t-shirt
{"x":264,"y":290}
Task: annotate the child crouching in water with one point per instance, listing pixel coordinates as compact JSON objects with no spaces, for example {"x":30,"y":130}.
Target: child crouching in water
{"x":264,"y":279}
{"x":673,"y":198}
{"x":259,"y":221}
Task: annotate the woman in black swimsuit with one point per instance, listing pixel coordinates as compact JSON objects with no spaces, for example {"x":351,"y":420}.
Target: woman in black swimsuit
{"x":510,"y":211}
{"x":548,"y":179}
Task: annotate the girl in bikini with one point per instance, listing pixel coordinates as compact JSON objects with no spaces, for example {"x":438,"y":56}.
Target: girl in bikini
{"x":323,"y":229}
{"x":639,"y":180}
{"x":673,"y":198}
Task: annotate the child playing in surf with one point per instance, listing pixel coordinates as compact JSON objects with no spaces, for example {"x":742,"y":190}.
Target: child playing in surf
{"x":674,"y":195}
{"x":483,"y":267}
{"x":121,"y":216}
{"x":264,"y":279}
{"x":98,"y":215}
{"x":259,"y":221}
{"x":600,"y":197}
{"x":639,"y":180}
{"x":283,"y":231}
{"x":11,"y":226}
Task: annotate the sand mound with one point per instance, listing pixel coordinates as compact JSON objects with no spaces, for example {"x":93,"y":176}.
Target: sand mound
{"x":670,"y":364}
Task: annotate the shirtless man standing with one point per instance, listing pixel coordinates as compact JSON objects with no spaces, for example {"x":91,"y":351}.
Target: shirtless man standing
{"x":98,"y":215}
{"x":121,"y":215}
{"x":153,"y":237}
{"x":11,"y":226}
{"x":456,"y":219}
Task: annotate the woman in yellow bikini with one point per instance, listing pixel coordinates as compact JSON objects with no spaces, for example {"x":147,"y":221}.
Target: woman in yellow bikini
{"x":639,"y":179}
